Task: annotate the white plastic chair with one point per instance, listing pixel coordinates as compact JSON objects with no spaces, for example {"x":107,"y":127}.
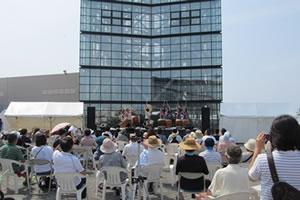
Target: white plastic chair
{"x":170,"y":167}
{"x":121,"y":145}
{"x":67,"y":185}
{"x":192,"y":176}
{"x":153,"y":174}
{"x":32,"y":163}
{"x":85,"y":154}
{"x":112,"y":178}
{"x":212,"y":168}
{"x":6,"y":167}
{"x":234,"y":196}
{"x":172,"y":149}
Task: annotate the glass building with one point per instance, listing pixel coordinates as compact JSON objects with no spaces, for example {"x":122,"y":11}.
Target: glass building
{"x":134,"y":52}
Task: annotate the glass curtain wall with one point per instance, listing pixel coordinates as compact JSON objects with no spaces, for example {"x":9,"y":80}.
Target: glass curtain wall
{"x":138,"y":51}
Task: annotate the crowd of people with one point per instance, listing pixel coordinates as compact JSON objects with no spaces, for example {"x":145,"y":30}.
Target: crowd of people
{"x":200,"y":150}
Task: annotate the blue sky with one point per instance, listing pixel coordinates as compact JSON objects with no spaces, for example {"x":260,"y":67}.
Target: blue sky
{"x":261,"y":45}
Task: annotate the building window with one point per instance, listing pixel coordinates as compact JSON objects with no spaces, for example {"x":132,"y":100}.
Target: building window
{"x":116,"y":18}
{"x":185,"y":18}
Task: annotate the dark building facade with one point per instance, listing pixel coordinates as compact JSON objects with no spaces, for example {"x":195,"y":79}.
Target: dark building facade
{"x":134,"y":52}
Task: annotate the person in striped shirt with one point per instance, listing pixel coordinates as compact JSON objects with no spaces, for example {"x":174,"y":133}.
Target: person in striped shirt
{"x":285,"y":142}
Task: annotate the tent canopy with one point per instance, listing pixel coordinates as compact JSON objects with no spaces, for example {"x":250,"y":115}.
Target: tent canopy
{"x":44,"y":115}
{"x":245,"y":121}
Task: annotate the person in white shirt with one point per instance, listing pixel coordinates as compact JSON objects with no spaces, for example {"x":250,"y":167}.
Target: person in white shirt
{"x":208,"y":134}
{"x":42,"y":151}
{"x":65,"y":162}
{"x":131,"y":149}
{"x":230,"y":179}
{"x":210,"y":155}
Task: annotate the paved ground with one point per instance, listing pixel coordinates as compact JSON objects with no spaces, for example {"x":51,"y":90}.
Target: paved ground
{"x":169,"y":192}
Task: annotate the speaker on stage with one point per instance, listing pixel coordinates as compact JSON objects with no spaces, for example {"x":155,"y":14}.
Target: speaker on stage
{"x":91,"y":114}
{"x":205,"y":111}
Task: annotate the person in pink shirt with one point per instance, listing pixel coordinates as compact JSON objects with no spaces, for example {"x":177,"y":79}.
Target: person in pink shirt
{"x":87,"y":140}
{"x":223,"y":146}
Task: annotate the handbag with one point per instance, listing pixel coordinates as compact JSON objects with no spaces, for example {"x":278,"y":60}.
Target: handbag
{"x":281,"y":190}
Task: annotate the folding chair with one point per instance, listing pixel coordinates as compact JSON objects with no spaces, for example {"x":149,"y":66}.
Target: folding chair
{"x":32,"y":163}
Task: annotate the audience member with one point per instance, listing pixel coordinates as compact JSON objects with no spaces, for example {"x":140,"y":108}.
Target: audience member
{"x":199,"y":136}
{"x":131,"y":149}
{"x":61,"y":135}
{"x":208,"y":134}
{"x":43,"y":152}
{"x":12,"y":152}
{"x":24,"y":135}
{"x":230,"y":179}
{"x":174,"y":137}
{"x":210,"y":155}
{"x":191,"y":162}
{"x":187,"y":134}
{"x":250,"y":147}
{"x":122,"y":136}
{"x":99,"y":142}
{"x":87,"y":140}
{"x":223,"y":131}
{"x":223,"y":146}
{"x":285,"y":142}
{"x":216,"y":134}
{"x":65,"y":162}
{"x":162,"y":136}
{"x":107,"y":133}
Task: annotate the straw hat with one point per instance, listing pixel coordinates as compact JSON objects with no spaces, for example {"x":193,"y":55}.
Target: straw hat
{"x":250,"y":145}
{"x":108,"y":146}
{"x":153,"y":141}
{"x":190,"y":144}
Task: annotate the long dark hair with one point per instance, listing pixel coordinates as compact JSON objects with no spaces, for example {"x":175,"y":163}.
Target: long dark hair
{"x":285,"y":133}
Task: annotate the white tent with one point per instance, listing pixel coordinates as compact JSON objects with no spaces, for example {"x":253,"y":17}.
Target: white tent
{"x":245,"y":121}
{"x":4,"y":125}
{"x":44,"y":115}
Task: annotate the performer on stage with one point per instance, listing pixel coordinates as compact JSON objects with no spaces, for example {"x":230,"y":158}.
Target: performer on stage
{"x":185,"y":114}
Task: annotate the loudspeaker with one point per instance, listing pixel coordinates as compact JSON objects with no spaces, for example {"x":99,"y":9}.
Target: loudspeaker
{"x":91,"y":114}
{"x":205,"y":111}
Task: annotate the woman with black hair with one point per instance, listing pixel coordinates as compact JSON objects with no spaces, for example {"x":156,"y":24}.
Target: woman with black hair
{"x":285,"y":141}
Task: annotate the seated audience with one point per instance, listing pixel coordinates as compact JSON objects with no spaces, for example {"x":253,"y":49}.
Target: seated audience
{"x":122,"y":136}
{"x":230,"y":179}
{"x":44,"y":152}
{"x":199,"y":136}
{"x":162,"y":136}
{"x":250,"y":147}
{"x":208,"y":134}
{"x":12,"y":152}
{"x":174,"y":137}
{"x":216,"y":134}
{"x":112,"y":158}
{"x":285,"y":142}
{"x":187,"y":134}
{"x":61,"y":134}
{"x":223,"y":131}
{"x":24,"y":135}
{"x":191,"y":162}
{"x":210,"y":155}
{"x":99,"y":142}
{"x":131,"y":149}
{"x":65,"y":162}
{"x":87,"y":140}
{"x":223,"y":146}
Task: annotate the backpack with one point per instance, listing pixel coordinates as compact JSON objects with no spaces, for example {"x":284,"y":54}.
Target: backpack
{"x":281,"y":190}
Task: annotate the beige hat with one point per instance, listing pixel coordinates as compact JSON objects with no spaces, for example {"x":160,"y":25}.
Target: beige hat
{"x":153,"y":141}
{"x":108,"y":146}
{"x":190,"y":144}
{"x":250,"y":145}
{"x":199,"y":134}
